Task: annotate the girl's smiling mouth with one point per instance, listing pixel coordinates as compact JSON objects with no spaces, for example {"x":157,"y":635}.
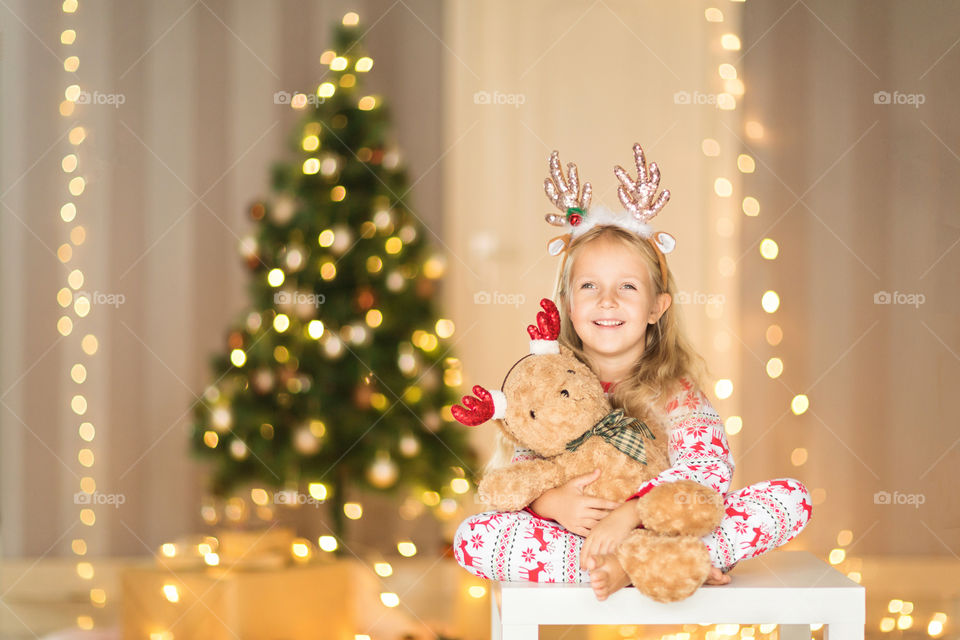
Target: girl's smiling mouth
{"x":608,"y":323}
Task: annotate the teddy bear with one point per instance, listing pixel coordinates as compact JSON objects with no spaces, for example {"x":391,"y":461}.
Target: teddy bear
{"x":552,"y":403}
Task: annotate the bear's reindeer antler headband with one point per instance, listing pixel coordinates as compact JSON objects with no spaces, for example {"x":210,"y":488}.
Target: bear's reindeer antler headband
{"x":639,"y":198}
{"x":486,"y":404}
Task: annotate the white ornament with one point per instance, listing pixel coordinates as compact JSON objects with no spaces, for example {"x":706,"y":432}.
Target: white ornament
{"x":238,"y":449}
{"x":222,"y":418}
{"x":306,"y":305}
{"x":263,"y":380}
{"x":432,"y":421}
{"x":409,"y":445}
{"x":283,"y":209}
{"x":342,"y":239}
{"x":305,"y":442}
{"x":294,"y":259}
{"x":383,"y":472}
{"x":395,"y":281}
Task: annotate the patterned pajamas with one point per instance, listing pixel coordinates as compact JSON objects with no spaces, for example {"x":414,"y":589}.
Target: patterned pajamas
{"x":522,"y":546}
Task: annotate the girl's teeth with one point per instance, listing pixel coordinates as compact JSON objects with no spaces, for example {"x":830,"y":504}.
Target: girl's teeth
{"x":608,"y":323}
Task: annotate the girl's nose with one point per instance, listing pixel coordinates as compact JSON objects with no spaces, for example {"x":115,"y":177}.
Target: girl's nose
{"x":608,"y":298}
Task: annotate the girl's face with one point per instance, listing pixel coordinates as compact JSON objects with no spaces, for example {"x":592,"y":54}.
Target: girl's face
{"x":612,"y":301}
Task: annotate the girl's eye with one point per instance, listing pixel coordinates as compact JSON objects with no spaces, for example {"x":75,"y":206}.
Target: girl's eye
{"x":629,"y":285}
{"x":586,"y":284}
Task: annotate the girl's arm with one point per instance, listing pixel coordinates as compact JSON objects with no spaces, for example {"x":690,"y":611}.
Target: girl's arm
{"x":697,"y":443}
{"x":566,"y":503}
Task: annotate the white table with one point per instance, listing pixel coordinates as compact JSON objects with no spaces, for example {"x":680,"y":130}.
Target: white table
{"x":791,"y":588}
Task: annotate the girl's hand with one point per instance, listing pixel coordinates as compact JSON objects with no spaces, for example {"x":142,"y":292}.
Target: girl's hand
{"x":567,"y":505}
{"x":610,"y":532}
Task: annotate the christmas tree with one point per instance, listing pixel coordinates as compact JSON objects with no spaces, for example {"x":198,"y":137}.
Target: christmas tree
{"x":340,"y":373}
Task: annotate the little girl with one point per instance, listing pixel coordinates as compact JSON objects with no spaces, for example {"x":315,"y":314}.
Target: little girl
{"x":614,"y":294}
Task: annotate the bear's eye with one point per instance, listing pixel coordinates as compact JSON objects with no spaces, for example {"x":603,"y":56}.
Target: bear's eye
{"x":565,"y":393}
{"x":570,"y":371}
{"x":533,"y":414}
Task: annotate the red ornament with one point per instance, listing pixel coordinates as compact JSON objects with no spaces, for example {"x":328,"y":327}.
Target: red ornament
{"x":575,"y":219}
{"x":235,"y":340}
{"x":365,"y":299}
{"x":424,"y":288}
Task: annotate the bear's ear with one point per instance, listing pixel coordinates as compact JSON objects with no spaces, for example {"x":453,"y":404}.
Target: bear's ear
{"x":566,"y":352}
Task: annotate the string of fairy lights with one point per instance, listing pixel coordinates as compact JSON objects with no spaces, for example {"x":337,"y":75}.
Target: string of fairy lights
{"x":733,"y":90}
{"x":70,"y":299}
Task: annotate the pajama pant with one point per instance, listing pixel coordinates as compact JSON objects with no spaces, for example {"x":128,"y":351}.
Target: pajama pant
{"x":518,"y":546}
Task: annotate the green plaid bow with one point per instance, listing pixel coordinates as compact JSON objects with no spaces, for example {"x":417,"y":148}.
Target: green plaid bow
{"x":625,"y":433}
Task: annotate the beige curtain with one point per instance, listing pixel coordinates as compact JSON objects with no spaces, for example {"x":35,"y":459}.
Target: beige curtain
{"x":857,"y":180}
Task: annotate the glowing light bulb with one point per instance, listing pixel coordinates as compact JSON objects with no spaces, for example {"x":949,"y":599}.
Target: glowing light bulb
{"x":730,"y":42}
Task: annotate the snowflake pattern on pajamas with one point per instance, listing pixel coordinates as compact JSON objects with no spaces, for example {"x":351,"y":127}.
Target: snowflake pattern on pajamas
{"x":521,"y":546}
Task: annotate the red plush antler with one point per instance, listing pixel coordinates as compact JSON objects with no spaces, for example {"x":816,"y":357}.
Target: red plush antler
{"x":478,"y":410}
{"x":548,"y":322}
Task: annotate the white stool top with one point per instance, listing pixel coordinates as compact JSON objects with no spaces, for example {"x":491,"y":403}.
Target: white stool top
{"x":784,"y":587}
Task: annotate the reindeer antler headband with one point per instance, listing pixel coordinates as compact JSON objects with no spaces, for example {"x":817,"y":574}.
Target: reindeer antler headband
{"x":639,"y":198}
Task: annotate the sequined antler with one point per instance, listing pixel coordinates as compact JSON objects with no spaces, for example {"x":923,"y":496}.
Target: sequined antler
{"x":475,"y":410}
{"x":548,"y":322}
{"x":565,"y":193}
{"x":640,"y":196}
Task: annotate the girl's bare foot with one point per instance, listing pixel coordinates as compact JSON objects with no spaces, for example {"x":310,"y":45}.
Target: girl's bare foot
{"x":606,"y":575}
{"x":717,"y":577}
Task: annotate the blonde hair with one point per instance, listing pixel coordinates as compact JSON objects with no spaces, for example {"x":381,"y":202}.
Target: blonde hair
{"x":668,"y":358}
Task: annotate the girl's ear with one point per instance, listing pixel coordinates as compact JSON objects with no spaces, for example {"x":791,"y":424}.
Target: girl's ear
{"x":664,"y":301}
